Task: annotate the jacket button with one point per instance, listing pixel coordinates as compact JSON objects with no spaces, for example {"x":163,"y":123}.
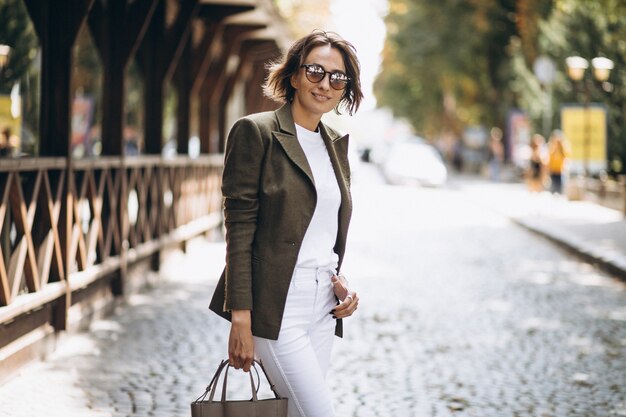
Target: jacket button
{"x":293,"y":243}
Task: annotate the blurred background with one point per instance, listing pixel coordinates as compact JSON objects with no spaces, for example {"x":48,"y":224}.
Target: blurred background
{"x":488,"y":238}
{"x":449,"y":73}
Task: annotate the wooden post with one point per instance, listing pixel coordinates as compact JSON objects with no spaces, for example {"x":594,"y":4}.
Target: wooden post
{"x":116,"y":47}
{"x":152,"y":69}
{"x":254,"y":53}
{"x":184,"y":84}
{"x":57,"y":25}
{"x":205,"y":55}
{"x":265,"y":50}
{"x":159,"y":54}
{"x":216,"y":78}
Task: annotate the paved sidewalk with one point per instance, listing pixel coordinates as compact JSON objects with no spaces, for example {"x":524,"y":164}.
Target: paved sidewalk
{"x":594,"y":232}
{"x":152,"y":357}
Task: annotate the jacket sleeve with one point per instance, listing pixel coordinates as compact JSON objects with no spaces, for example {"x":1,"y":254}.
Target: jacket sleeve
{"x":243,"y":160}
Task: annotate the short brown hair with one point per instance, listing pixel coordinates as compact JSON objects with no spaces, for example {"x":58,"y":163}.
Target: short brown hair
{"x":278,"y":83}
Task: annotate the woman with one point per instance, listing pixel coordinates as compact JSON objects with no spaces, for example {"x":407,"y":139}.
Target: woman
{"x":557,"y":160}
{"x":537,"y":165}
{"x":287,"y":207}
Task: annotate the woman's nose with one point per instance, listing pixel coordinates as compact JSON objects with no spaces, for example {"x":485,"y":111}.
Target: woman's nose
{"x":325,"y":83}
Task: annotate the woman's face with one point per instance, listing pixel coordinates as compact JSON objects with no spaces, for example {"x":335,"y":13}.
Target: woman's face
{"x":312,"y":98}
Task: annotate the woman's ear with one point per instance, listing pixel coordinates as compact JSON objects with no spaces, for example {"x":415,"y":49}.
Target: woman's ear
{"x":293,"y":80}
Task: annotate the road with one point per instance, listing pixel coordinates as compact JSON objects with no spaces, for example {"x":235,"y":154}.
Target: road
{"x":462,"y":313}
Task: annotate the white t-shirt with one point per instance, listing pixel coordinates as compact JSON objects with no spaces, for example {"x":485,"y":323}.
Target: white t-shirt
{"x":319,"y":239}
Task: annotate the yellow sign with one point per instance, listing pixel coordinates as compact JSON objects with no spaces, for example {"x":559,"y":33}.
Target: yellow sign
{"x":585,"y":128}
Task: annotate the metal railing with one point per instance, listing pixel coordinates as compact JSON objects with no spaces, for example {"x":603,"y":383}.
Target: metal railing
{"x":606,"y":192}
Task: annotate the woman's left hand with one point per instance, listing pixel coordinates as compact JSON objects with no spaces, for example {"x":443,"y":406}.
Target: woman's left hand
{"x":349,"y":299}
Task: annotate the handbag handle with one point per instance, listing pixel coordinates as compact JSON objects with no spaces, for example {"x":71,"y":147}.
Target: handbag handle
{"x":212,"y":387}
{"x":254,"y":391}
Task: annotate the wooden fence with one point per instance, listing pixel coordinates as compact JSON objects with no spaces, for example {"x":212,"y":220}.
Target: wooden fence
{"x":64,"y":225}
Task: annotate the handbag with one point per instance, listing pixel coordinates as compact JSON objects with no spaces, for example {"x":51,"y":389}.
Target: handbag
{"x":269,"y":407}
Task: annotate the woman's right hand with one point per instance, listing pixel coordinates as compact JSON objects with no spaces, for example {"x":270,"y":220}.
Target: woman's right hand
{"x":240,"y":342}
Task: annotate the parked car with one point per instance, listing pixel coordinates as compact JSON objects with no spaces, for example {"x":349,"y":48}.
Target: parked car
{"x":414,"y":161}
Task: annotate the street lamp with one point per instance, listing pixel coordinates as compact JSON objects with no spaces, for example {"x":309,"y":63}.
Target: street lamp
{"x":576,"y":67}
{"x":545,"y":71}
{"x":601,"y":68}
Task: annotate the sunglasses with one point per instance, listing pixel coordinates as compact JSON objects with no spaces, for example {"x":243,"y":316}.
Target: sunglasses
{"x":315,"y":74}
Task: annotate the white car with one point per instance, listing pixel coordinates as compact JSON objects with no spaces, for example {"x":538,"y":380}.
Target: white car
{"x":414,"y":161}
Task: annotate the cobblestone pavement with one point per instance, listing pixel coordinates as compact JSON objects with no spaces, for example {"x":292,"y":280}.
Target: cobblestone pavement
{"x":462,"y":314}
{"x":596,"y":233}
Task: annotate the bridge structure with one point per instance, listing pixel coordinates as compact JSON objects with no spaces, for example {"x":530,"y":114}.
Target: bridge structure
{"x":78,"y":234}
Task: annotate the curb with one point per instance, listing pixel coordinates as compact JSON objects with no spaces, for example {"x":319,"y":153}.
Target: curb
{"x":612,"y":262}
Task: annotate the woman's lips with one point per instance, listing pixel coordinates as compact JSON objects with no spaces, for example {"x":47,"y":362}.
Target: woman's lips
{"x":321,"y":97}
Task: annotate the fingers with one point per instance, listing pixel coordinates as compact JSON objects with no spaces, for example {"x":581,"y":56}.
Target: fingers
{"x":347,"y":307}
{"x":340,"y":287}
{"x":240,"y":360}
{"x":240,"y":349}
{"x":247,"y":364}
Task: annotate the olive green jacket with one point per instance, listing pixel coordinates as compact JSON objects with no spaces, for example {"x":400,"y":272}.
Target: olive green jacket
{"x":269,"y":200}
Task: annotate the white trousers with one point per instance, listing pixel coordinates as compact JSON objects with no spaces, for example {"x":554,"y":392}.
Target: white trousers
{"x":297,"y":363}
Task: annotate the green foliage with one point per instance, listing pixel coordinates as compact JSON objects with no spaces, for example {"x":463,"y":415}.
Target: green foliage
{"x":445,"y":63}
{"x":591,"y":29}
{"x":17,"y":32}
{"x":452,"y":63}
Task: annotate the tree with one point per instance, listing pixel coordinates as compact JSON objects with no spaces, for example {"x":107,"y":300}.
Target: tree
{"x":445,"y":64}
{"x":591,"y":29}
{"x":454,"y":63}
{"x":17,"y":32}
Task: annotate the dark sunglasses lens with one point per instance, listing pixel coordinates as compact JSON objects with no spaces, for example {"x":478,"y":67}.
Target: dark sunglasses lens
{"x":338,"y":82}
{"x":314,"y":74}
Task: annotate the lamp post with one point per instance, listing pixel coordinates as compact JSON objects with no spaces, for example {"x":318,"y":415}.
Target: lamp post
{"x":545,"y":71}
{"x":576,"y":67}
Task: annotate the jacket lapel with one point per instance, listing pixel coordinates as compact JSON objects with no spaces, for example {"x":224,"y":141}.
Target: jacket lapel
{"x":338,"y":152}
{"x":288,"y":140}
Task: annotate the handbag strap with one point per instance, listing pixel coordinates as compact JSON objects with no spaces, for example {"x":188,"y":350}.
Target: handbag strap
{"x":269,"y":381}
{"x":213,"y":385}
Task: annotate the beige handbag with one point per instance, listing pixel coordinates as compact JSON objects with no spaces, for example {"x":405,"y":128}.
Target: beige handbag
{"x":270,"y":407}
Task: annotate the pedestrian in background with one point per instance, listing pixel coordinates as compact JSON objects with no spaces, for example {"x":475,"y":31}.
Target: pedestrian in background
{"x":536,"y":172}
{"x":558,"y":154}
{"x":496,"y":154}
{"x":287,"y":207}
{"x":8,"y":142}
